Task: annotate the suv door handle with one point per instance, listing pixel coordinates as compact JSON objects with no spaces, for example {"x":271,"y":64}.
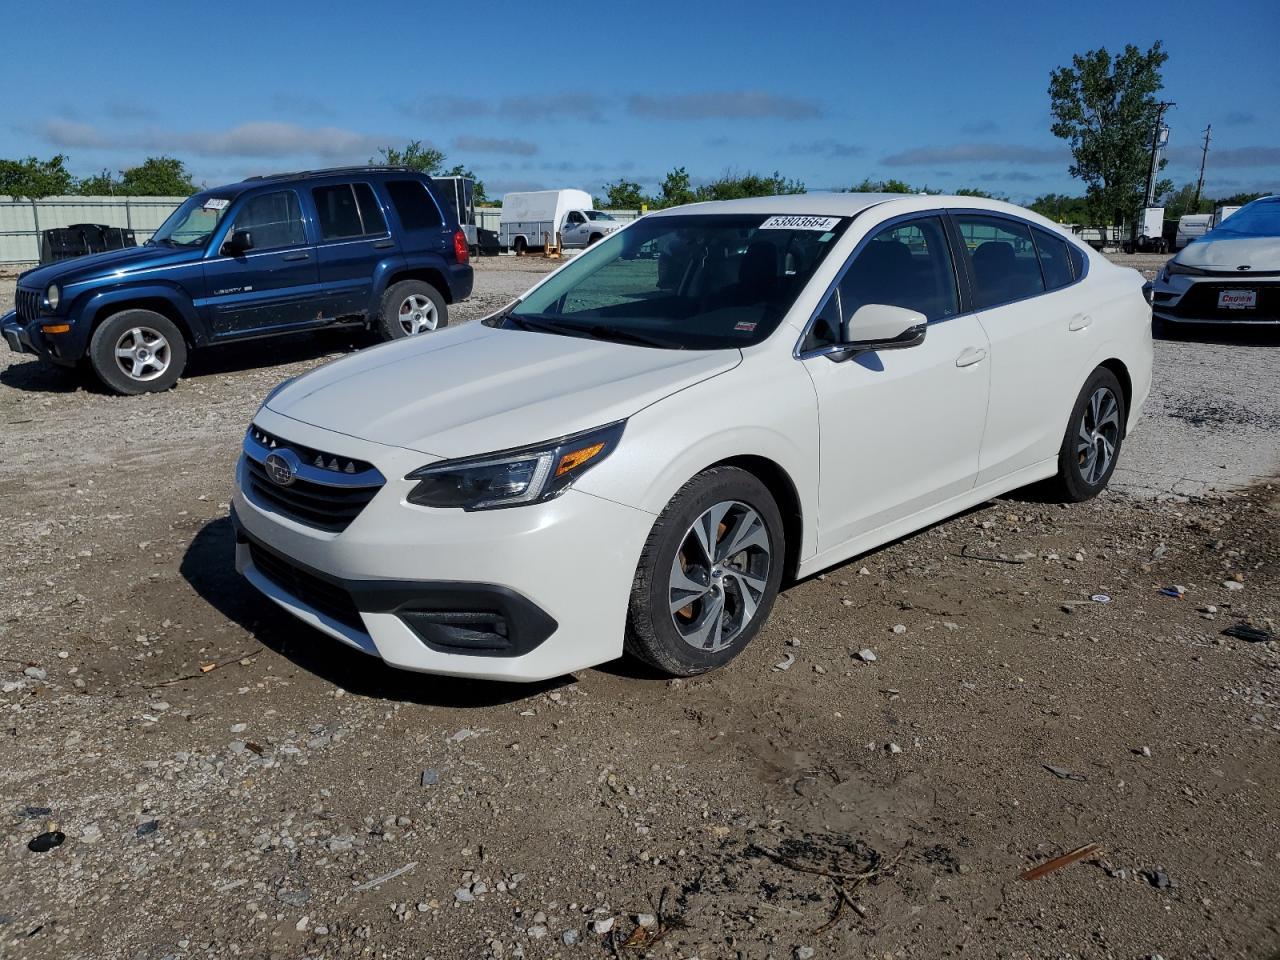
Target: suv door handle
{"x":971,"y":355}
{"x":297,"y":256}
{"x":1080,"y":321}
{"x":383,"y":244}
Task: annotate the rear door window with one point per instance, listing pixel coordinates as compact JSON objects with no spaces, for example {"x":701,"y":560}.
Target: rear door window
{"x":274,"y":220}
{"x":1003,"y":258}
{"x":339,"y":214}
{"x":1055,"y":262}
{"x":413,"y":204}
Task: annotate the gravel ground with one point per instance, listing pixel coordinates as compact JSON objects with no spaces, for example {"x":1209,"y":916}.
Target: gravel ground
{"x":911,"y":731}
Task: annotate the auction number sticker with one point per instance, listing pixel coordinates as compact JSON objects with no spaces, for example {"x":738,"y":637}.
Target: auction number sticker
{"x":820,"y":224}
{"x":216,"y":203}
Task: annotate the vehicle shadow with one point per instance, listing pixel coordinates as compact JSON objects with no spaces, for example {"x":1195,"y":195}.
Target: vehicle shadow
{"x":1240,"y":336}
{"x":35,"y":376}
{"x":209,"y":567}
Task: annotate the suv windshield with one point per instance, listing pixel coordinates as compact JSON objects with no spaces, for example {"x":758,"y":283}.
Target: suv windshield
{"x":1261,"y":218}
{"x":699,"y":282}
{"x":193,"y":223}
{"x":598,"y":215}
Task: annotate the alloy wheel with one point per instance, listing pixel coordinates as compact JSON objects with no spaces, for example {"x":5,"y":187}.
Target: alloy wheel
{"x":719,"y":575}
{"x":1098,"y":435}
{"x":418,"y":315}
{"x":142,"y":353}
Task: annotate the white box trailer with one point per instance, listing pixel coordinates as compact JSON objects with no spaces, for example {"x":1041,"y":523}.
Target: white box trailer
{"x":1192,"y":226}
{"x":528,"y":218}
{"x":1223,"y":211}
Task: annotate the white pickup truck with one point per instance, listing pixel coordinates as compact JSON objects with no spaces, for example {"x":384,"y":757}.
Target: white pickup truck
{"x":530,"y":219}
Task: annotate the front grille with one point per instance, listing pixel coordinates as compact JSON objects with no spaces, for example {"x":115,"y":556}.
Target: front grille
{"x":27,"y":303}
{"x":315,"y":592}
{"x":327,"y":492}
{"x":1200,"y":302}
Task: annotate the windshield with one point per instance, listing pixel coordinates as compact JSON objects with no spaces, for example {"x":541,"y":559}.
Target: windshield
{"x":1261,"y":218}
{"x":699,"y":282}
{"x":193,"y":223}
{"x":598,"y":215}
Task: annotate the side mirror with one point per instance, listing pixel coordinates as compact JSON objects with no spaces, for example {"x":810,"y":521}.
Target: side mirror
{"x":238,"y":242}
{"x":879,"y":326}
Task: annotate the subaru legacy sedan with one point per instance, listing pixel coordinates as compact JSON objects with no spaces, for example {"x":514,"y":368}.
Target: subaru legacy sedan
{"x":712,"y":402}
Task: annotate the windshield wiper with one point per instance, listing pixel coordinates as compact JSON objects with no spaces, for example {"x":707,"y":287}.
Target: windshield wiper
{"x":596,"y":331}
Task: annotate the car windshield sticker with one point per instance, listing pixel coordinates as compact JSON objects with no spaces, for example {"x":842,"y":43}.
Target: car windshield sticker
{"x":744,"y":326}
{"x":820,"y":224}
{"x":216,"y":203}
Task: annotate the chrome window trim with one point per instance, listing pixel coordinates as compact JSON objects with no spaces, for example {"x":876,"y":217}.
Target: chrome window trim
{"x":832,"y":348}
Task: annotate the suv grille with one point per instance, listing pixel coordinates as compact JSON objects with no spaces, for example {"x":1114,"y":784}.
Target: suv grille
{"x":1201,"y":301}
{"x":327,"y":491}
{"x":319,"y":594}
{"x":27,"y":303}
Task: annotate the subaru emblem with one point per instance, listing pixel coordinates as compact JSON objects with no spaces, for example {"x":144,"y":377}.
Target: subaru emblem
{"x":282,"y":468}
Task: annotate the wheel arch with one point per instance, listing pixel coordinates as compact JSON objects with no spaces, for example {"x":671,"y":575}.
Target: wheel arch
{"x":783,"y":488}
{"x":156,"y":302}
{"x":1117,"y":367}
{"x":426,"y":274}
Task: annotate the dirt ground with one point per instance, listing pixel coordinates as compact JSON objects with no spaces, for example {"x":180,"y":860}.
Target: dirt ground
{"x":300,"y":800}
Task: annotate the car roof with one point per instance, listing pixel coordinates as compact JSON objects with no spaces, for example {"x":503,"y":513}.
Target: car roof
{"x":269,"y":179}
{"x":851,"y":204}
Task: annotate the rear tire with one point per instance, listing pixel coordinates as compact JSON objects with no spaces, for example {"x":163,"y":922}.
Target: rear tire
{"x":137,"y":351}
{"x":1092,"y":442}
{"x":708,"y":574}
{"x":520,"y":247}
{"x":594,"y":237}
{"x":410,"y":308}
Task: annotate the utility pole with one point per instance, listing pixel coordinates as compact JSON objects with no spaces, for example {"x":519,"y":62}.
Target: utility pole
{"x":1204,"y":155}
{"x":1159,"y":137}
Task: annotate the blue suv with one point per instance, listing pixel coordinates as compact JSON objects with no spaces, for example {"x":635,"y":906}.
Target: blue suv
{"x":362,"y":246}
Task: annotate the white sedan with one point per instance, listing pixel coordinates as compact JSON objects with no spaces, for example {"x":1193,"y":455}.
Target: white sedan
{"x":1230,"y":275}
{"x":710,"y":403}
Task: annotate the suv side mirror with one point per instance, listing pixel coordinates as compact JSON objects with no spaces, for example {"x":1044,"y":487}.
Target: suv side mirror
{"x":239,"y":242}
{"x":879,"y":326}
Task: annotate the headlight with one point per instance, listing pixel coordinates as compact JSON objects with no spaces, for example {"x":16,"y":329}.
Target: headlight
{"x":52,"y":296}
{"x":513,"y":477}
{"x":1173,"y":268}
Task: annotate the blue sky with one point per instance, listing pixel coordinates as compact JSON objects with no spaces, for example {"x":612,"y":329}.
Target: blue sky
{"x":536,"y":95}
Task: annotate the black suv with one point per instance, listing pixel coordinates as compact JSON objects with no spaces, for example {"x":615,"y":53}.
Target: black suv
{"x":361,"y":245}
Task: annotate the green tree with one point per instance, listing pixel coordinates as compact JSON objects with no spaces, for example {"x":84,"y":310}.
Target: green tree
{"x":676,"y":189}
{"x":733,"y":186}
{"x":976,"y":192}
{"x":1105,"y":108}
{"x":1062,"y":208}
{"x":33,"y":179}
{"x":1240,"y":199}
{"x":415,"y":156}
{"x":102,"y":184}
{"x":157,"y":177}
{"x":624,"y":194}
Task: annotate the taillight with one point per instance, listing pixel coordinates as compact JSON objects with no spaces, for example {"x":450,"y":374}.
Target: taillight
{"x":460,"y":252}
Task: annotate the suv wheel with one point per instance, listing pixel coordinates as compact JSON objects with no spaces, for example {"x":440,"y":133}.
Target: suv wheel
{"x":409,"y":308}
{"x":708,"y":574}
{"x":1092,"y":442}
{"x":137,"y":351}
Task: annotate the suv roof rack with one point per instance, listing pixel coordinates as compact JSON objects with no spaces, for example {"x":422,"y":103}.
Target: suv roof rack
{"x":329,"y":171}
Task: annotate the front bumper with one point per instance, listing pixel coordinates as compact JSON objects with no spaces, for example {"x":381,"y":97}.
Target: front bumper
{"x":15,"y":334}
{"x":556,"y":575}
{"x":1185,"y":298}
{"x":23,"y":336}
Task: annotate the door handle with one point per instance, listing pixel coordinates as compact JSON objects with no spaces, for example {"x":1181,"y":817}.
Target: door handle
{"x":383,"y":244}
{"x":297,"y":256}
{"x":971,"y":355}
{"x":1080,"y":321}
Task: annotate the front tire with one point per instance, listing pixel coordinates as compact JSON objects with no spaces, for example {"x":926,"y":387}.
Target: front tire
{"x":1095,"y":433}
{"x":137,"y":351}
{"x":708,"y":575}
{"x":410,"y":308}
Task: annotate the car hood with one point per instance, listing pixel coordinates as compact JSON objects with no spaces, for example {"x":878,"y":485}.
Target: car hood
{"x":1226,"y":253}
{"x":476,"y":389}
{"x":112,"y":263}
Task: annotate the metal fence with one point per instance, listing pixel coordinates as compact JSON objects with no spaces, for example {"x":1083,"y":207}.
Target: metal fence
{"x":22,"y":221}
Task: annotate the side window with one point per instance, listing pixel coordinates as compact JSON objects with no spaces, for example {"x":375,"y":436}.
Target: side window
{"x":413,"y":204}
{"x":575,"y":218}
{"x":274,"y":220}
{"x":1005,"y":266}
{"x":339,"y":215}
{"x":1054,"y":261}
{"x":1077,"y":260}
{"x":370,"y":211}
{"x":904,"y":265}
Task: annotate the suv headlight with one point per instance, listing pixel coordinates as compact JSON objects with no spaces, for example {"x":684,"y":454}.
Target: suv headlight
{"x":1173,"y":268}
{"x":52,"y":296}
{"x":512,"y":478}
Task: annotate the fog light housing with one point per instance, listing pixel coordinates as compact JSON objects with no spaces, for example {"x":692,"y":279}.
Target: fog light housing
{"x":460,"y":631}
